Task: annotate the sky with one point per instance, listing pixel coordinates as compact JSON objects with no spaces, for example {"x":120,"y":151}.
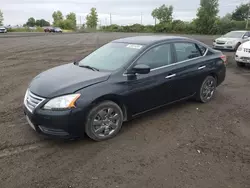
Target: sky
{"x":123,"y":12}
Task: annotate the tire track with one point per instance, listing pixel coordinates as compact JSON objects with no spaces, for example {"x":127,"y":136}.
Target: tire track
{"x":20,"y":149}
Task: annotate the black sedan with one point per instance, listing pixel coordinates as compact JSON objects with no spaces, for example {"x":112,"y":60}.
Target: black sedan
{"x":120,"y":81}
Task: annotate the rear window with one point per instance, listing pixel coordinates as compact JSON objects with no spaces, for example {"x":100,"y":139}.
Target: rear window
{"x":186,"y":51}
{"x":209,"y":53}
{"x":203,"y":49}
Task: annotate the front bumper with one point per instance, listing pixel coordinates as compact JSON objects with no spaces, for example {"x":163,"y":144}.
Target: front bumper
{"x":243,"y":57}
{"x":223,"y":46}
{"x":62,"y":124}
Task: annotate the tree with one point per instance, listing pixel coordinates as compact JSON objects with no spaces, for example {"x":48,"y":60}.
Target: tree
{"x":42,"y":23}
{"x":227,"y":17}
{"x":241,"y":12}
{"x":58,"y":17}
{"x":1,"y":17}
{"x":31,"y":22}
{"x":207,"y":16}
{"x":92,"y":18}
{"x":164,"y":13}
{"x":71,"y":20}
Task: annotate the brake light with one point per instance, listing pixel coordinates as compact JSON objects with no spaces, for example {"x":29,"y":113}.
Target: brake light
{"x":224,"y":58}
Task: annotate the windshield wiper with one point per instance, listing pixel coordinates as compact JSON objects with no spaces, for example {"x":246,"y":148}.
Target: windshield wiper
{"x":89,"y":67}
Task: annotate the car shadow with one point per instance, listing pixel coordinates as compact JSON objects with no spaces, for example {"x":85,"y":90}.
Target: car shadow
{"x":157,"y":114}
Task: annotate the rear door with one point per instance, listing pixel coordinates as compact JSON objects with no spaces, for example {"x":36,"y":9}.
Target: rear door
{"x":190,"y":69}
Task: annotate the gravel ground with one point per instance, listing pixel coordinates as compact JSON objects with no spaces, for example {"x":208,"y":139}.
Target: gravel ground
{"x":185,"y":145}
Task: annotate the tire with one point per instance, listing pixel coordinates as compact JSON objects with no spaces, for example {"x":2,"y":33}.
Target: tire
{"x":237,"y":46}
{"x":240,"y":64}
{"x":207,"y":90}
{"x":103,"y":130}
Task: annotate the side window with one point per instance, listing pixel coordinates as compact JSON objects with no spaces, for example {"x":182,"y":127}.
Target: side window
{"x":157,"y":57}
{"x":186,"y":51}
{"x":247,"y":34}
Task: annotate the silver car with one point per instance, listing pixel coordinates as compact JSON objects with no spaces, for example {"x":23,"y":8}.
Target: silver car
{"x":231,"y":40}
{"x":3,"y":29}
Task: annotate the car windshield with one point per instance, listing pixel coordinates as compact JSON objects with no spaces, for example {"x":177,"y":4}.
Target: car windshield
{"x":111,"y":56}
{"x":234,"y":34}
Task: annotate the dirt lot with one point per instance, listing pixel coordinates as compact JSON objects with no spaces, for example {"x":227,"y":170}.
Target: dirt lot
{"x":186,"y":145}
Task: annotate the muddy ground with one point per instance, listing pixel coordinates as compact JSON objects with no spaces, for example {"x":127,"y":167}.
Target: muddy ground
{"x":185,"y":145}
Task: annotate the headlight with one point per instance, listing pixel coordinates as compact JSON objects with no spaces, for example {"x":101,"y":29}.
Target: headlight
{"x":61,"y":103}
{"x":231,"y":42}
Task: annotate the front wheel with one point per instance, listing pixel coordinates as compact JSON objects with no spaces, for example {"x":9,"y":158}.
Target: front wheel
{"x":240,"y":64}
{"x":104,"y":121}
{"x":237,"y":46}
{"x":207,"y":89}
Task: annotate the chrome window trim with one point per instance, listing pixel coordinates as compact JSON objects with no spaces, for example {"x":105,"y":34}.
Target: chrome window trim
{"x":165,"y":66}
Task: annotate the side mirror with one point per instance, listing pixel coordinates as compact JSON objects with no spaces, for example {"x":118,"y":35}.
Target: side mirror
{"x":245,"y":37}
{"x":141,"y":69}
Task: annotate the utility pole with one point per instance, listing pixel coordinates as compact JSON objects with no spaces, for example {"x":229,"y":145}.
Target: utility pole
{"x":248,"y":14}
{"x":100,"y":21}
{"x":80,"y":20}
{"x":110,"y":19}
{"x":106,"y":23}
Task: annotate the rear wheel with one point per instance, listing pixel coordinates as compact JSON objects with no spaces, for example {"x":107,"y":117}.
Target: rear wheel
{"x":104,"y":121}
{"x":240,"y":64}
{"x":207,"y":89}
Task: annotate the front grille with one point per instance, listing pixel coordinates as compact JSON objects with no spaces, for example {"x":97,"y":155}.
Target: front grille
{"x":246,"y":50}
{"x":220,"y":42}
{"x":31,"y":101}
{"x":245,"y":58}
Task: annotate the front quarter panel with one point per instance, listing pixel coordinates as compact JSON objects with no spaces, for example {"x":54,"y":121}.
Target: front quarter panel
{"x":110,"y":89}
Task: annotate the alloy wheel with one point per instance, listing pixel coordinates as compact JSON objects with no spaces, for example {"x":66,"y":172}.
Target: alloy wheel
{"x":106,"y":122}
{"x":208,"y":89}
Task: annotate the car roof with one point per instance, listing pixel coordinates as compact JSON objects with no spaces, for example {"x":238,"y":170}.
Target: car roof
{"x":147,"y":40}
{"x":239,"y":31}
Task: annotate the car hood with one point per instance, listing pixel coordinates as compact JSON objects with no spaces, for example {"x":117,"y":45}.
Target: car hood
{"x":223,"y":39}
{"x":246,"y":45}
{"x":65,"y":79}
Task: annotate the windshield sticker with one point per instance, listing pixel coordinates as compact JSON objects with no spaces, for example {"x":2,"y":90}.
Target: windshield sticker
{"x":135,"y":46}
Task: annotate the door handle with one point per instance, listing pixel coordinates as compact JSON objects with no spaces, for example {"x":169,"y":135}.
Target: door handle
{"x":171,"y":76}
{"x":202,"y":67}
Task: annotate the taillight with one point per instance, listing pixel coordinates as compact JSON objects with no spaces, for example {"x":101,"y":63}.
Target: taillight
{"x":224,"y":58}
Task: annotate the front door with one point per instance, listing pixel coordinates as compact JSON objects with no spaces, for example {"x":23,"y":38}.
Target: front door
{"x":149,"y":91}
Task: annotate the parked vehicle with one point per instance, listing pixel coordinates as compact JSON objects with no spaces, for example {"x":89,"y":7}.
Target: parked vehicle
{"x":48,"y":29}
{"x":3,"y":29}
{"x":231,"y":40}
{"x":58,"y":30}
{"x":119,"y":81}
{"x":53,"y":30}
{"x":242,"y":55}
